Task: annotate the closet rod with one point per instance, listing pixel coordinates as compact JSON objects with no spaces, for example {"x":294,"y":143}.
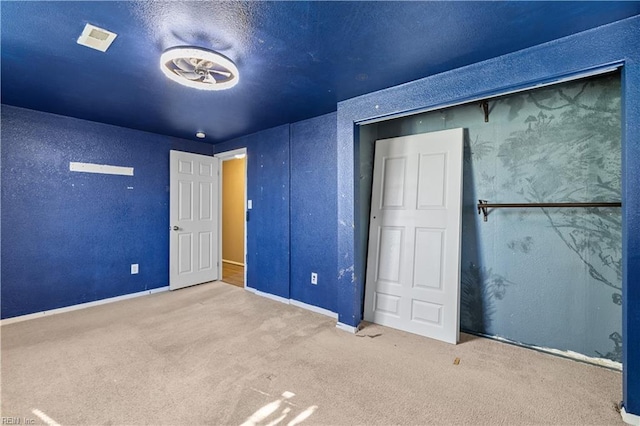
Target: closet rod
{"x":483,"y":205}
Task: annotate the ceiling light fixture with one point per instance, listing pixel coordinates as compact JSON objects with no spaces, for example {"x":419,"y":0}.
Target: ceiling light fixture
{"x":200,"y":135}
{"x":199,"y":68}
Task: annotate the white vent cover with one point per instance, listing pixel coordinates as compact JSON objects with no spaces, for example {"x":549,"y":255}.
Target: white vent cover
{"x":96,"y":38}
{"x":199,"y":68}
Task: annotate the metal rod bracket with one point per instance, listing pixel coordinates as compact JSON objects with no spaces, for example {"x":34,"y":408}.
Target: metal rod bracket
{"x":483,"y":210}
{"x":485,"y":108}
{"x":484,"y":205}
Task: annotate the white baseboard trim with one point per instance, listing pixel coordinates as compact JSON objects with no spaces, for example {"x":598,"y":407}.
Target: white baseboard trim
{"x":293,"y":302}
{"x":632,"y":419}
{"x":81,"y":306}
{"x":313,"y":308}
{"x":233,"y":262}
{"x":268,"y":295}
{"x":348,"y":328}
{"x":602,"y":362}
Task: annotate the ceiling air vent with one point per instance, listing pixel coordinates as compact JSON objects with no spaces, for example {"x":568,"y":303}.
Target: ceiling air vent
{"x":96,"y":38}
{"x":199,"y":68}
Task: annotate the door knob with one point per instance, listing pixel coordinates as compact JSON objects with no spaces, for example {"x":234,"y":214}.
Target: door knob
{"x":176,"y":228}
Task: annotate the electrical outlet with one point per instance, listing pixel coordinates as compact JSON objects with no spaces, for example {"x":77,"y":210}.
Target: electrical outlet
{"x":314,"y":278}
{"x":134,"y":268}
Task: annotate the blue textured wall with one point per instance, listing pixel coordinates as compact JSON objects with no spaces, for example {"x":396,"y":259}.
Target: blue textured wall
{"x":291,"y":179}
{"x":614,"y":43}
{"x":631,"y":223}
{"x":68,"y":237}
{"x":313,"y":211}
{"x":268,"y":178}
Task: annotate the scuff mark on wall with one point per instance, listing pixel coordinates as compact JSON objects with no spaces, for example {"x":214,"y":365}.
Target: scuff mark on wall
{"x":343,"y":272}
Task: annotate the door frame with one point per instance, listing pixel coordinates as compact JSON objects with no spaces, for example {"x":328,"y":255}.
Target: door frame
{"x":225,"y":156}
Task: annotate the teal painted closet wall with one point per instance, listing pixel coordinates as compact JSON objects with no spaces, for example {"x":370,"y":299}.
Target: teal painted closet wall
{"x":544,"y":277}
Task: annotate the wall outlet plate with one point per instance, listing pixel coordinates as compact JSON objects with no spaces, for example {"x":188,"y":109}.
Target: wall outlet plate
{"x":314,"y":278}
{"x":134,"y":268}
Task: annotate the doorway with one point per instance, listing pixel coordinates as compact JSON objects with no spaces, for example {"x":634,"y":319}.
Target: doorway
{"x":233,"y":216}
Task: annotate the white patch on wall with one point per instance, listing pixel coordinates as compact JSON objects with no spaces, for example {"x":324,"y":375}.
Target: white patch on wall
{"x":104,"y":169}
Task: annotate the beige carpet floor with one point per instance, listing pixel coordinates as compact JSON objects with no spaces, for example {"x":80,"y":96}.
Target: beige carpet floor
{"x":216,"y":354}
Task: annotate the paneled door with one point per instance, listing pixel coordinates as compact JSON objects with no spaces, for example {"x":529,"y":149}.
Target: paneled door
{"x":413,"y":264}
{"x":193,"y":219}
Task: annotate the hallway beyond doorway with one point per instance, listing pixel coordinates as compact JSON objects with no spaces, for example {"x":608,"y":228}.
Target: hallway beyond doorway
{"x":233,"y":274}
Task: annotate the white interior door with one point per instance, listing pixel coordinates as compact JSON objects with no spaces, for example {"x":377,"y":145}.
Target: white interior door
{"x":413,"y":264}
{"x":193,"y":219}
